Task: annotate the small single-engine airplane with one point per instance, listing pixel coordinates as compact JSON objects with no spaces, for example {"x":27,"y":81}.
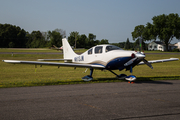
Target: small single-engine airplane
{"x":103,"y":57}
{"x":58,"y":48}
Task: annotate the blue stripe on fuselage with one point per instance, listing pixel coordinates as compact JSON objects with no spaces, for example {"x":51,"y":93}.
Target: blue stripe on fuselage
{"x":118,"y":63}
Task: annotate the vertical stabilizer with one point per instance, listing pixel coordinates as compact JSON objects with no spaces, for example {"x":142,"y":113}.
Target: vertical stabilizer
{"x":67,"y":50}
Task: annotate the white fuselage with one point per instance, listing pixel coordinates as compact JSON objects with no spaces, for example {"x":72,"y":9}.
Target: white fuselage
{"x":100,"y":55}
{"x":109,"y":56}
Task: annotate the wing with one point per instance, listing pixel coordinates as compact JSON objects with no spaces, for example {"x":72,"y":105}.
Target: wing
{"x":66,"y":60}
{"x":55,"y":64}
{"x":159,"y":61}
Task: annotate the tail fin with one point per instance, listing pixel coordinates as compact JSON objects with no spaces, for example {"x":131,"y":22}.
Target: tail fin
{"x":67,"y":50}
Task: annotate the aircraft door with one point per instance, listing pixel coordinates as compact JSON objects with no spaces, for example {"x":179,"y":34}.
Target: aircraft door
{"x":98,"y":53}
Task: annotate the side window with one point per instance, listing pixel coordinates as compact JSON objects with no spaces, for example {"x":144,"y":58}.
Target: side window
{"x":98,"y":49}
{"x":90,"y":52}
{"x":112,"y":47}
{"x":108,"y":48}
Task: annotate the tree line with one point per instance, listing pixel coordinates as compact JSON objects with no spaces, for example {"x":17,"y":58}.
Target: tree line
{"x":164,"y":27}
{"x":12,"y":36}
{"x":131,"y":45}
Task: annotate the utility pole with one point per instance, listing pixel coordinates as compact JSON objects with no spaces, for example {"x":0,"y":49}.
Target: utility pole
{"x":140,"y":43}
{"x":75,"y":41}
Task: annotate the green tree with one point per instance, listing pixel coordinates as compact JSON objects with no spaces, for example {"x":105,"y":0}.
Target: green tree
{"x":141,"y":33}
{"x":12,"y":36}
{"x":91,"y":40}
{"x":97,"y":42}
{"x":55,"y":37}
{"x":166,"y":27}
{"x":116,"y":44}
{"x":73,"y":38}
{"x":82,"y":41}
{"x":35,"y":40}
{"x":138,"y":31}
{"x":104,"y":41}
{"x":127,"y":44}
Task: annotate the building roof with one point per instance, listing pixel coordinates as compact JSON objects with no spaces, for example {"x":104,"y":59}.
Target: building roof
{"x":159,"y":42}
{"x":162,"y":43}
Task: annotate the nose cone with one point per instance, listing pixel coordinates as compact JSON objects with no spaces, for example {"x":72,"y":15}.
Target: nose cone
{"x":140,"y":55}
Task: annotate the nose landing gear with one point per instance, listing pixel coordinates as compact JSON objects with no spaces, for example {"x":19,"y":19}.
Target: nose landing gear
{"x":131,"y":78}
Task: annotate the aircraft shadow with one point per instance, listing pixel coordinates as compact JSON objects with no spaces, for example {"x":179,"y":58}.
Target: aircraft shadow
{"x":157,"y":80}
{"x":152,"y":80}
{"x":140,"y":80}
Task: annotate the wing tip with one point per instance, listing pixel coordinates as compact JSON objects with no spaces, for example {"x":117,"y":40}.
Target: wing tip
{"x":175,"y":58}
{"x":11,"y":61}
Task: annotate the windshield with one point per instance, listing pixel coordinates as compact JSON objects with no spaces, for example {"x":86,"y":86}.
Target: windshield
{"x":112,"y":47}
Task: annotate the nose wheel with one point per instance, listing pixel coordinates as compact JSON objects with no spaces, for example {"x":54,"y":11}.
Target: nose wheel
{"x":131,"y":78}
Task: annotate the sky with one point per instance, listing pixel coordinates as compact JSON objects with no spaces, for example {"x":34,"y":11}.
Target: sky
{"x":113,"y":20}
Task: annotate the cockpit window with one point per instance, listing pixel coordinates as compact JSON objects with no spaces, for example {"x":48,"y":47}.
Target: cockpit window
{"x":112,"y":47}
{"x":98,"y":49}
{"x":90,"y":52}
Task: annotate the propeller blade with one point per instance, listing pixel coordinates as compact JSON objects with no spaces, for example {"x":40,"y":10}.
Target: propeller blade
{"x":130,"y":62}
{"x":147,"y":63}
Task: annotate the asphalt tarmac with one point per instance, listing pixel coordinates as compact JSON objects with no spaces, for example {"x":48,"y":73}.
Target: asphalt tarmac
{"x":100,"y":101}
{"x":173,"y":53}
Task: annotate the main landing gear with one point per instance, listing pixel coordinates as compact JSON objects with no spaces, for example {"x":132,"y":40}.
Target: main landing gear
{"x":88,"y":77}
{"x":130,"y":78}
{"x":121,"y":76}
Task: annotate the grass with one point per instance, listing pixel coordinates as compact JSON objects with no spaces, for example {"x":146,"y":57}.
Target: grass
{"x":35,"y":50}
{"x":24,"y":75}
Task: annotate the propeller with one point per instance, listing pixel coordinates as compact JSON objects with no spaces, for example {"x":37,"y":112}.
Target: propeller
{"x":147,"y":63}
{"x":140,"y":48}
{"x":139,"y":55}
{"x":130,"y":62}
